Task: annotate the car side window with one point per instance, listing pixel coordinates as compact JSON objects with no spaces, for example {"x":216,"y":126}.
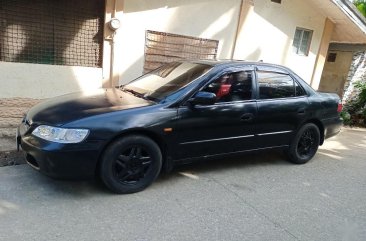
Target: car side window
{"x":230,"y":87}
{"x":274,"y":85}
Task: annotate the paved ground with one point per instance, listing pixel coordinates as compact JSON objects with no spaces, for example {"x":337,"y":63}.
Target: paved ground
{"x":257,"y":197}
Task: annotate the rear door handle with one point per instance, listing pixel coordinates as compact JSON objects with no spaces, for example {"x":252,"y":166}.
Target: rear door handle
{"x":301,"y":111}
{"x":248,"y":117}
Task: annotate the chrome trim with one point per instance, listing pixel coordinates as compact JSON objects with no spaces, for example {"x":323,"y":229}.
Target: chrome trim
{"x":274,"y":133}
{"x":230,"y":153}
{"x":219,"y":139}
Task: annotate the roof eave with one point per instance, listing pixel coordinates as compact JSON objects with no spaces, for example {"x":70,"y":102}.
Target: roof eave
{"x":352,"y":13}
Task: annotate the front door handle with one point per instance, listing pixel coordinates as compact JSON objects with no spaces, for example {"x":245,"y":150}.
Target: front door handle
{"x":248,"y":117}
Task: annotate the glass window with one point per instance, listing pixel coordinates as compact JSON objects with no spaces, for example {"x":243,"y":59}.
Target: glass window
{"x":163,"y":47}
{"x":275,"y":85}
{"x":302,"y":40}
{"x":232,"y":87}
{"x":164,"y":82}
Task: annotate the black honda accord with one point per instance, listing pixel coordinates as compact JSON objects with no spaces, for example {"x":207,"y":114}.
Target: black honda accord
{"x":179,"y":112}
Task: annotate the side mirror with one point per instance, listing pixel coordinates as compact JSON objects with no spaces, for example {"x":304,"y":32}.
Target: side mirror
{"x":203,"y":98}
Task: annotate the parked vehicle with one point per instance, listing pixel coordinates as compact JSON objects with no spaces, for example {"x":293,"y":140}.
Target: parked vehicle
{"x":180,"y":112}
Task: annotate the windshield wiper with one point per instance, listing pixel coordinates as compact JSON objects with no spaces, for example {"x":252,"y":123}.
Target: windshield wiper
{"x":137,"y":94}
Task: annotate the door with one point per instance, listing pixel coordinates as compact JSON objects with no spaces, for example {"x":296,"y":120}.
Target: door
{"x":282,"y":106}
{"x":224,"y":127}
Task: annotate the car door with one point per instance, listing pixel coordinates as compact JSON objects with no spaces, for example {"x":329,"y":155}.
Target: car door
{"x":282,"y":106}
{"x":224,"y":127}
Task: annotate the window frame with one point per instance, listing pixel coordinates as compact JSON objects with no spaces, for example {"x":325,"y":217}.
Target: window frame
{"x":298,"y":48}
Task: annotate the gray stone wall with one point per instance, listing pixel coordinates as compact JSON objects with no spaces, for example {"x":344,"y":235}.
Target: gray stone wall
{"x":356,"y":73}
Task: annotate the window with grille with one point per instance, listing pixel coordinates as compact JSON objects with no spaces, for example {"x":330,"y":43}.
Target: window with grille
{"x":161,"y":48}
{"x":302,"y":41}
{"x":63,"y":32}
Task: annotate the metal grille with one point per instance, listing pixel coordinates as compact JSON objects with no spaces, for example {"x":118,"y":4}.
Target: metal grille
{"x":161,"y":48}
{"x":59,"y":32}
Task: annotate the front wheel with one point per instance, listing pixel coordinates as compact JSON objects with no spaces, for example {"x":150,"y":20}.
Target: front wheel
{"x":130,"y":164}
{"x":305,"y":144}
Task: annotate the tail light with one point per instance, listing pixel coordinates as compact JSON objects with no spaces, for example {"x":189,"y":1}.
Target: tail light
{"x":340,"y":107}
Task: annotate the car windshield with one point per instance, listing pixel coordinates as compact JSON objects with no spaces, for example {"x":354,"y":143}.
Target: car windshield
{"x":166,"y":80}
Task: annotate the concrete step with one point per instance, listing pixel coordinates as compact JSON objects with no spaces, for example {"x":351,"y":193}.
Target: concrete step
{"x":10,"y":122}
{"x":18,"y":102}
{"x":12,"y":111}
{"x":8,"y":132}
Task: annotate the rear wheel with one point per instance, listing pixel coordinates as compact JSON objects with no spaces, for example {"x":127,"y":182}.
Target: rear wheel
{"x":305,"y":144}
{"x":130,"y":164}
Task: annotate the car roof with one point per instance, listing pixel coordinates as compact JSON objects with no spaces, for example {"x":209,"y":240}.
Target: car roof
{"x":226,"y":63}
{"x":232,"y":63}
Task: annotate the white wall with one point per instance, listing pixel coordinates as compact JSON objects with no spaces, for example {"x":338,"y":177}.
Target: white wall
{"x":212,"y":19}
{"x":266,"y":34}
{"x":268,"y":30}
{"x":41,"y":81}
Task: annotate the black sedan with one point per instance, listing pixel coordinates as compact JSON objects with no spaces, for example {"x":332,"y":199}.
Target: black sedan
{"x":180,"y":112}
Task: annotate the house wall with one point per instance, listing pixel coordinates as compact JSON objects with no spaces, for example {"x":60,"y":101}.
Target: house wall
{"x":335,"y":73}
{"x":211,"y":19}
{"x":349,"y":67}
{"x":267,"y":29}
{"x":40,"y":81}
{"x":42,"y":43}
{"x":265,"y":32}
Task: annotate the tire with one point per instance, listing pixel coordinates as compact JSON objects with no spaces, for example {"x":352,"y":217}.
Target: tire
{"x":130,"y":164}
{"x":305,"y":144}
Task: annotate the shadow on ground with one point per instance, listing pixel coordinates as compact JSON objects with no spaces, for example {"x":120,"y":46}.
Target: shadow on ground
{"x":88,"y":188}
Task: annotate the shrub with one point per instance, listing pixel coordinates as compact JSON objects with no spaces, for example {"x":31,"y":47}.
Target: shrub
{"x":354,"y":112}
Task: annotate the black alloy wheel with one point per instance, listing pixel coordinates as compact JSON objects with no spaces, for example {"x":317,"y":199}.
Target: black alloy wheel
{"x":305,"y":144}
{"x":130,"y":164}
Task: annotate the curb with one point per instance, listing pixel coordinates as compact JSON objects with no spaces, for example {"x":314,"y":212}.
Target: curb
{"x":11,"y":158}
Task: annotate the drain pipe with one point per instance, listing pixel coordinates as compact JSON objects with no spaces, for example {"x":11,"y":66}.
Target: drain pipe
{"x":113,"y":24}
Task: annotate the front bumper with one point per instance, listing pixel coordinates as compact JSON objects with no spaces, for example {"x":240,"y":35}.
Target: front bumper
{"x":64,"y":161}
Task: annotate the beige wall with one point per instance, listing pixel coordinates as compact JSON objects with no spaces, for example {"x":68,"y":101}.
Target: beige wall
{"x":322,"y":54}
{"x":213,"y":19}
{"x":335,"y":73}
{"x":267,"y":31}
{"x":41,"y":81}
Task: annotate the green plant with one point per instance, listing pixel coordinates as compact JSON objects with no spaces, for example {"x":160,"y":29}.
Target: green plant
{"x":346,"y":117}
{"x":361,"y":86}
{"x":354,"y":112}
{"x":361,"y":6}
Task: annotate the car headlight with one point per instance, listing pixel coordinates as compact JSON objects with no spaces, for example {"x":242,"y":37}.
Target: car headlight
{"x":60,"y":135}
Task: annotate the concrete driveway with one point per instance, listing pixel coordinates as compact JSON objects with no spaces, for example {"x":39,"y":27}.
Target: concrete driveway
{"x":256,"y":197}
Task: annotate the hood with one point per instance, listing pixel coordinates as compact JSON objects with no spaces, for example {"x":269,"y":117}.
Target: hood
{"x":64,"y":109}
